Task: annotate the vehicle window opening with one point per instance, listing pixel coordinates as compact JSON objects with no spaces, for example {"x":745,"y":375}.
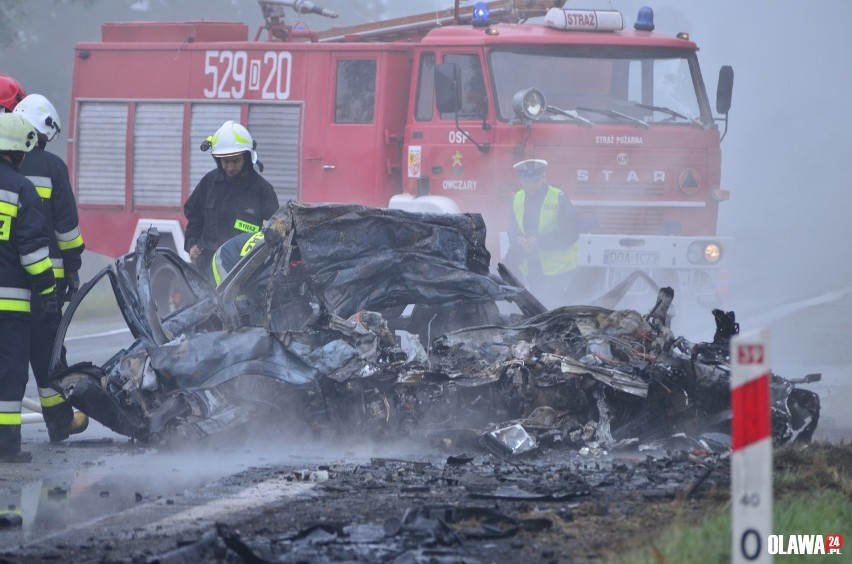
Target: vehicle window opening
{"x":355,"y":96}
{"x":425,"y":88}
{"x":474,"y":97}
{"x":604,"y":82}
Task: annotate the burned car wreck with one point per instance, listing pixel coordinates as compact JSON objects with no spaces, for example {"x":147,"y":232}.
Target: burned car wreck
{"x":385,"y":323}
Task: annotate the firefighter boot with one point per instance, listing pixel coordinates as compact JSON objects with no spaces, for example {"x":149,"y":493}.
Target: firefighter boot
{"x":79,"y":422}
{"x":10,"y":445}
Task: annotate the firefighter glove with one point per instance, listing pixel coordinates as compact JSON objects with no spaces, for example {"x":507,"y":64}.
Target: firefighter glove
{"x":72,"y":284}
{"x":49,"y":305}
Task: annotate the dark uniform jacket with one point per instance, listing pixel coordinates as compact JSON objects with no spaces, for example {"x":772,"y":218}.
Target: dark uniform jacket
{"x":24,"y":255}
{"x":50,"y":175}
{"x":219,"y":209}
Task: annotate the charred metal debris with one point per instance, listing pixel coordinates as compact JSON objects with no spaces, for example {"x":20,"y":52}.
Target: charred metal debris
{"x":389,"y":324}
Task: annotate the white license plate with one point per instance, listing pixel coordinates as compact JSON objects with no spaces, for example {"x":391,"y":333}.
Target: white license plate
{"x":631,"y":258}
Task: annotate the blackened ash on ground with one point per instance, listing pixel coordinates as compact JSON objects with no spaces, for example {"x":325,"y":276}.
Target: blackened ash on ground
{"x":561,"y":507}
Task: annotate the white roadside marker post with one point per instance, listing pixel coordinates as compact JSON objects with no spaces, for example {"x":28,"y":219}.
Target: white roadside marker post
{"x":751,"y":443}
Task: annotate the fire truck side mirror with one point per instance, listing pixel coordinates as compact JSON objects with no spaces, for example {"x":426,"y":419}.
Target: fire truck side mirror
{"x":448,"y":88}
{"x":724,"y":89}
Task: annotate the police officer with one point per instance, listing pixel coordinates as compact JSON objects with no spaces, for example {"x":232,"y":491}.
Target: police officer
{"x":543,"y":233}
{"x":25,"y":269}
{"x":50,"y":175}
{"x":229,"y":200}
{"x":11,"y":93}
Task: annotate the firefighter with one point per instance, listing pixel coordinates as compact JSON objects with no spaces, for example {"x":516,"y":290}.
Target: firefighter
{"x":231,"y":251}
{"x":231,"y":199}
{"x":50,"y":175}
{"x":25,"y":268}
{"x":543,"y":234}
{"x":11,"y":92}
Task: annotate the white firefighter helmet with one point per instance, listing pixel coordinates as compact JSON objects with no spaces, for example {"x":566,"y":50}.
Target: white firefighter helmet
{"x":40,"y":112}
{"x":16,"y":134}
{"x":233,"y":139}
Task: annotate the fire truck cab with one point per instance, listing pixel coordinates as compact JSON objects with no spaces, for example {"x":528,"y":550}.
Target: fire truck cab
{"x":426,"y":112}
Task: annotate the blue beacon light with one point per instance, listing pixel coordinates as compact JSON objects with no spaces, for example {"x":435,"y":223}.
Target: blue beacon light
{"x":481,"y":15}
{"x":645,"y":19}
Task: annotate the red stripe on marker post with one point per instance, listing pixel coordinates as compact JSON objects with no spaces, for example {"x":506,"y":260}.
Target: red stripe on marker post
{"x":751,"y":443}
{"x":750,"y":412}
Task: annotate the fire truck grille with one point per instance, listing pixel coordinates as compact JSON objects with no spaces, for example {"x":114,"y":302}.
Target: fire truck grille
{"x":620,"y":191}
{"x":636,"y":221}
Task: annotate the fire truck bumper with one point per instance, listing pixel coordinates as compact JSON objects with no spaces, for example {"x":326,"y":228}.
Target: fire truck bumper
{"x":653,"y":251}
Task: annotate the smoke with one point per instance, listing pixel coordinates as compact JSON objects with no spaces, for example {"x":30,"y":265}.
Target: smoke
{"x":786,"y":163}
{"x":785,"y":157}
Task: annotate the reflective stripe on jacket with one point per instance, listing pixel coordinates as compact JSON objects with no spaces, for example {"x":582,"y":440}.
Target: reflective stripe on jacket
{"x":24,"y":256}
{"x":49,"y":174}
{"x":226,"y":256}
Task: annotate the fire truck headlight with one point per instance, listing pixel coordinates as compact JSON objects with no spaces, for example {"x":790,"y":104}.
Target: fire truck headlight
{"x":704,"y":252}
{"x":529,"y":103}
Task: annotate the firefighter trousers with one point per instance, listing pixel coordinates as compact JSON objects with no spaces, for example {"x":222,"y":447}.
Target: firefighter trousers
{"x":14,"y":358}
{"x":56,"y":411}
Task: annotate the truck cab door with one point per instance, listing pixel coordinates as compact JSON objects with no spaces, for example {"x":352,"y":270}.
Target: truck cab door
{"x":343,"y":169}
{"x":448,"y":152}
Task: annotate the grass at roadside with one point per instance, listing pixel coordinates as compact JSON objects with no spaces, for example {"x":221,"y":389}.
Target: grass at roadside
{"x":813,"y":496}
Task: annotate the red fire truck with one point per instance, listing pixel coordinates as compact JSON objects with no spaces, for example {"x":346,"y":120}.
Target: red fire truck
{"x":424,"y":112}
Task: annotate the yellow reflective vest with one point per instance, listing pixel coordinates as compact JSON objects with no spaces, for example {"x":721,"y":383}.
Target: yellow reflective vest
{"x":553,"y":261}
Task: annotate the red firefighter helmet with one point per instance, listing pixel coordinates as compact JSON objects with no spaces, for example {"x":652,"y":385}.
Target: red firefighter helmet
{"x":11,"y":92}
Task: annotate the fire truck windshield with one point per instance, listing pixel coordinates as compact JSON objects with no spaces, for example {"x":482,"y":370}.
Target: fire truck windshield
{"x":653,"y":86}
